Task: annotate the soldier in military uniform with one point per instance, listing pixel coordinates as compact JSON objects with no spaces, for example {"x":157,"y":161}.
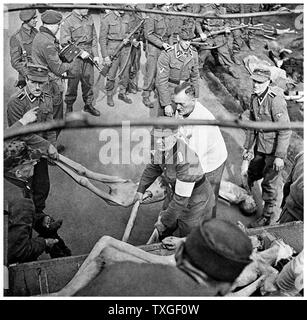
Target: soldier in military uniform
{"x":30,"y":97}
{"x":222,"y":54}
{"x":45,"y":51}
{"x":136,"y":51}
{"x":114,"y":28}
{"x":177,"y":64}
{"x":21,"y":44}
{"x":190,"y":197}
{"x":78,"y":27}
{"x":178,"y":21}
{"x":157,"y":32}
{"x":266,"y":151}
{"x":236,"y":42}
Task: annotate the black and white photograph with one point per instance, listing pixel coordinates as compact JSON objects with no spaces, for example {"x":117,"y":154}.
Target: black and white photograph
{"x":153,"y":150}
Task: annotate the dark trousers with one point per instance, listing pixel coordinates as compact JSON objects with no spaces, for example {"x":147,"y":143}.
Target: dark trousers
{"x":40,"y":185}
{"x":56,"y":92}
{"x":82,"y":71}
{"x":262,"y":167}
{"x":215,"y":177}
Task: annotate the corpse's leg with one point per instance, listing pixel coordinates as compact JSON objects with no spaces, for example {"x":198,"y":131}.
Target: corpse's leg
{"x":108,"y":250}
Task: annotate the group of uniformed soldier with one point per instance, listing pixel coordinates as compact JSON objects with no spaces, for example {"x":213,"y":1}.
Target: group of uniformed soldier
{"x":171,"y":60}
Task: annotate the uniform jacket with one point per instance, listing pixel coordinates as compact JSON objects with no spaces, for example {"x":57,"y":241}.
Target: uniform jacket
{"x":45,"y":51}
{"x":174,"y":66}
{"x":273,"y":107}
{"x":82,"y":30}
{"x":21,"y":102}
{"x":21,"y":246}
{"x":215,"y":24}
{"x":181,"y":171}
{"x":294,"y":188}
{"x":113,"y":28}
{"x":157,"y":29}
{"x":18,"y":60}
{"x":144,"y":279}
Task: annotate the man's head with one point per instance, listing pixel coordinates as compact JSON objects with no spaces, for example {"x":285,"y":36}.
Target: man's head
{"x":36,"y":77}
{"x":29,"y":17}
{"x":185,"y":36}
{"x":184,"y":98}
{"x":218,"y":248}
{"x":52,"y":20}
{"x":163,"y":6}
{"x":164,"y":137}
{"x":82,"y":12}
{"x":261,"y":80}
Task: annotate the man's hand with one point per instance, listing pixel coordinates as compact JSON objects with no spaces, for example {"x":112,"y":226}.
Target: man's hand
{"x":84,"y":54}
{"x":172,"y":243}
{"x":168,"y":111}
{"x":165,"y":46}
{"x":30,"y":116}
{"x":138,"y":197}
{"x":126,"y":41}
{"x":96,"y":60}
{"x":51,"y":242}
{"x":203,"y":36}
{"x":107,"y":60}
{"x":160,"y":226}
{"x":46,"y":222}
{"x":227,"y":30}
{"x":53,"y":152}
{"x":135,"y":43}
{"x":278,"y":164}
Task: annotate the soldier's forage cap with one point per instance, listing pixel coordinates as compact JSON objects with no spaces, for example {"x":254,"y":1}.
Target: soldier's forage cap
{"x":51,"y":17}
{"x":159,"y":131}
{"x":38,"y":73}
{"x":219,"y":248}
{"x":186,"y":32}
{"x":27,"y":15}
{"x":261,"y":75}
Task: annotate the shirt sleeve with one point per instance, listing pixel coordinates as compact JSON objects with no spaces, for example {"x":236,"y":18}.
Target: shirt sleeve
{"x":151,"y":172}
{"x":280,"y":114}
{"x":103,"y":33}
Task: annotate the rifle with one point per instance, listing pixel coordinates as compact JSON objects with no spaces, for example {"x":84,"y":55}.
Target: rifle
{"x":114,"y":56}
{"x":70,"y":51}
{"x":214,"y":33}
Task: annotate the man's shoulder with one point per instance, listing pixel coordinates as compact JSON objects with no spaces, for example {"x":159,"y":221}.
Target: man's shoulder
{"x":109,"y":15}
{"x":17,"y":98}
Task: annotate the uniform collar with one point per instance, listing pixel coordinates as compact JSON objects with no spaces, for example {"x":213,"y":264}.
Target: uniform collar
{"x":46,"y":30}
{"x":31,"y":97}
{"x":179,"y":52}
{"x":26,"y":28}
{"x":263,"y":95}
{"x":79,"y":16}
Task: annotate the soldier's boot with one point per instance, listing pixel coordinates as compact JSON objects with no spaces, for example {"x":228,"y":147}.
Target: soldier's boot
{"x":90,"y":109}
{"x":110,"y":101}
{"x":147,"y":102}
{"x":69,"y":109}
{"x":122,"y":96}
{"x":132,"y":88}
{"x":265,"y":219}
{"x":260,"y":222}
